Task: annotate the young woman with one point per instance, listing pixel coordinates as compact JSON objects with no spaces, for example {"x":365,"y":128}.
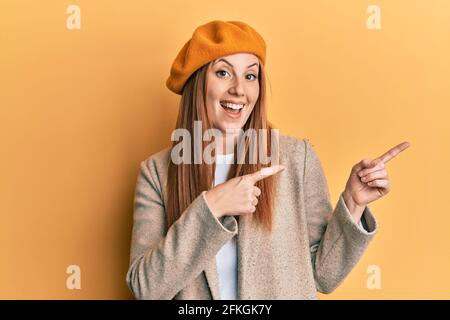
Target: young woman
{"x":237,"y":228}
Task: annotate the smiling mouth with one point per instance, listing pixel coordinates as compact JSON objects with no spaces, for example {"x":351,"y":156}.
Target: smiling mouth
{"x":232,"y":108}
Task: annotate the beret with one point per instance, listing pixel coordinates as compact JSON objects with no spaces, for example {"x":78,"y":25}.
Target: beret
{"x":211,"y":41}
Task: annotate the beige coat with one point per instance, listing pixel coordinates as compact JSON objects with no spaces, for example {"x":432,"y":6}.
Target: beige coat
{"x":312,"y":248}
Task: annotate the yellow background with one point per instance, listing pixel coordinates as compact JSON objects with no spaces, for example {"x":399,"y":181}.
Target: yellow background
{"x":81,"y":108}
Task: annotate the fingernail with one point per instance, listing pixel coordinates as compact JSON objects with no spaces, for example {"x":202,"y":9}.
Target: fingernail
{"x":266,"y":171}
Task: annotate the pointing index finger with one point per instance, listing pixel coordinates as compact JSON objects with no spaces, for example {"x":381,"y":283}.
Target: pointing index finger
{"x":389,"y":155}
{"x":265,"y":172}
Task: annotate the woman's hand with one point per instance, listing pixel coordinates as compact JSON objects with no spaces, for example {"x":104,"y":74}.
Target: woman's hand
{"x":238,"y":196}
{"x":369,"y":181}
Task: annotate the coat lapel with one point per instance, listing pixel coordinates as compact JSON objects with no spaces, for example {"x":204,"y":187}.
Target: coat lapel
{"x":249,"y":240}
{"x":212,"y":277}
{"x":248,"y":244}
{"x":242,"y":257}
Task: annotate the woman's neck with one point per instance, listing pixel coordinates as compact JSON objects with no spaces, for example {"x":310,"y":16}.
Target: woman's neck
{"x":226,"y":144}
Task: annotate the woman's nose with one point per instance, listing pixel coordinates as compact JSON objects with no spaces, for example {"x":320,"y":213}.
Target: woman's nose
{"x":237,"y":88}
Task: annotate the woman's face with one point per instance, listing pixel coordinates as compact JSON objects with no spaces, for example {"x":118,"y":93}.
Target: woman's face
{"x":232,"y":89}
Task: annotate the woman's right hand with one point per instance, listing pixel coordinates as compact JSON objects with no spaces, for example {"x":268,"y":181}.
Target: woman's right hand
{"x":238,"y":195}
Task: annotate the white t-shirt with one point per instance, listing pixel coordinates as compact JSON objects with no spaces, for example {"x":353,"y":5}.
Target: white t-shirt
{"x":226,"y":258}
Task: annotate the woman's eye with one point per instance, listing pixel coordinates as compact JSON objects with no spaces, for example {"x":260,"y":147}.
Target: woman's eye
{"x":221,"y":73}
{"x":224,"y":74}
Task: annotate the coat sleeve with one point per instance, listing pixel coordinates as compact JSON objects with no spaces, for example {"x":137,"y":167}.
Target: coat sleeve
{"x":163,"y":262}
{"x":336,"y":241}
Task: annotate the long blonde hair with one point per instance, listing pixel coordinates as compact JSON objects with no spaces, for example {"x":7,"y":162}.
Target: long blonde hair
{"x":187,"y":181}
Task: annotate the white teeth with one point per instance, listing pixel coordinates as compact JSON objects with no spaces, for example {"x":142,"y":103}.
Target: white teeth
{"x":232,"y":105}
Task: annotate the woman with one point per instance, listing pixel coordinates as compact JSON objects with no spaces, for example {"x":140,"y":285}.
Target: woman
{"x":237,"y":228}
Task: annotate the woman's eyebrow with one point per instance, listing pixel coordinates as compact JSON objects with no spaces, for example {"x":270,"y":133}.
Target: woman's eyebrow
{"x":254,"y":64}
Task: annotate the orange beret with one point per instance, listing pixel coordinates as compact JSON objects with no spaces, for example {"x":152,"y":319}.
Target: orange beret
{"x":211,"y":41}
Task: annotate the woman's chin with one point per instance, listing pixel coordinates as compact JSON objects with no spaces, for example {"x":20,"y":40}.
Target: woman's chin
{"x":230,"y":127}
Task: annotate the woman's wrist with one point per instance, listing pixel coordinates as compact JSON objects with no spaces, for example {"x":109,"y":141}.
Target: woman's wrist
{"x":356,"y":211}
{"x":209,"y":198}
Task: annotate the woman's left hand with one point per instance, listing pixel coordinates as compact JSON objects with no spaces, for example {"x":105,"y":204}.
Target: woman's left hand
{"x":369,"y":180}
